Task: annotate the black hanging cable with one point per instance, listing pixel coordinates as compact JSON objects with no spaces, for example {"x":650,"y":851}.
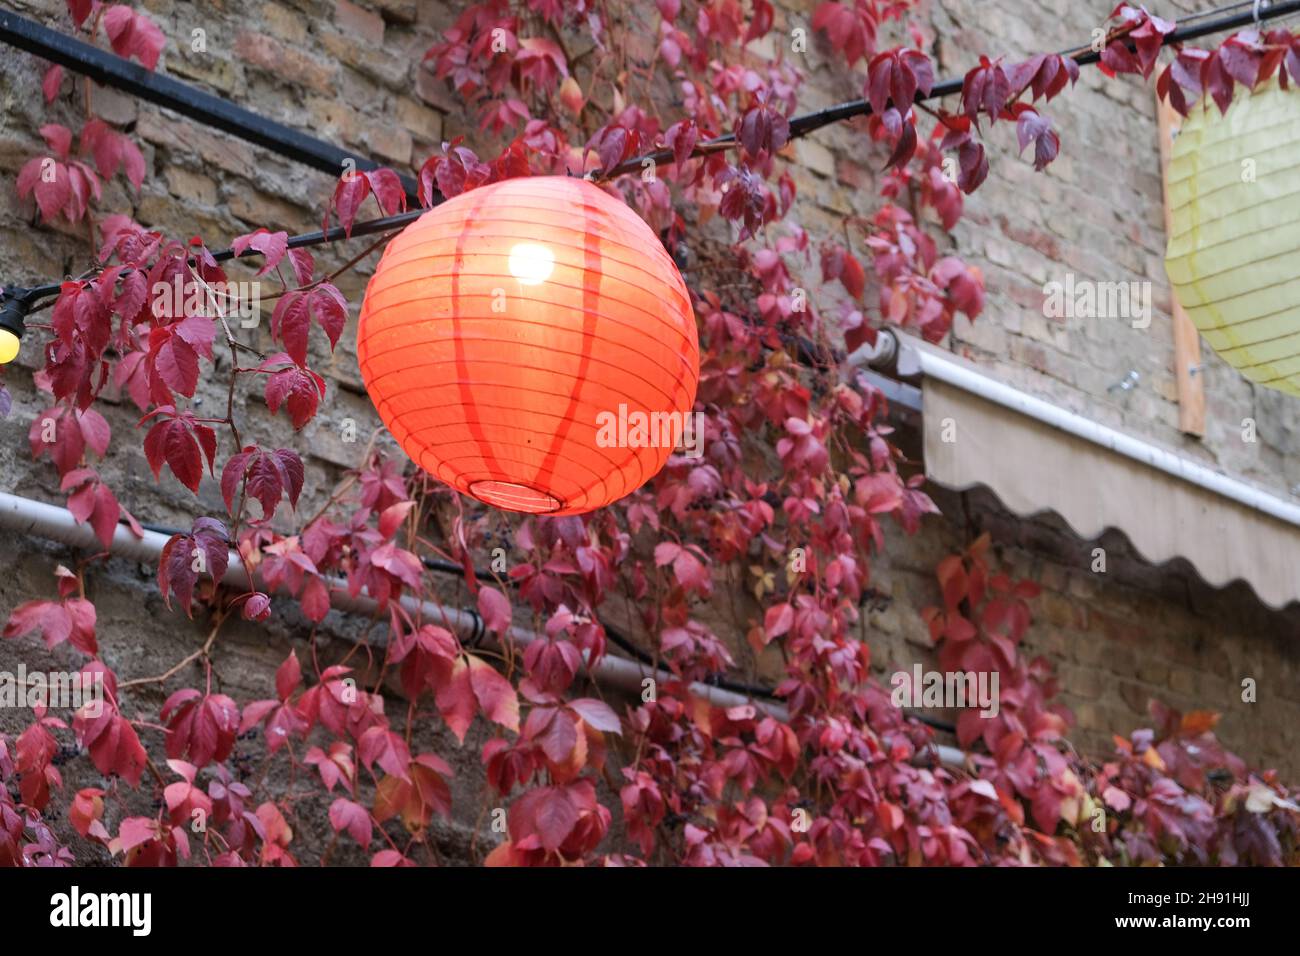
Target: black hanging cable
{"x":616,"y":638}
{"x":1083,"y":55}
{"x":189,"y":101}
{"x":19,"y":32}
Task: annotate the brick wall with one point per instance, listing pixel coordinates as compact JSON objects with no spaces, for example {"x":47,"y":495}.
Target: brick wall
{"x":1118,"y":640}
{"x":350,"y":71}
{"x":1138,"y":632}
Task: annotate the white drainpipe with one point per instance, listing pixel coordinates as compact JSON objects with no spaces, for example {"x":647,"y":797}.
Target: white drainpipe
{"x":36,"y":518}
{"x":27,"y":516}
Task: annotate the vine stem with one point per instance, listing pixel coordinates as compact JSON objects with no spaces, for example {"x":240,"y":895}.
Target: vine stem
{"x":340,"y":270}
{"x":202,"y":652}
{"x":325,"y":858}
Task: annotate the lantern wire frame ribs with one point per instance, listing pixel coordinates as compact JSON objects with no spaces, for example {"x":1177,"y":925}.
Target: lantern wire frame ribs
{"x":1233,"y":257}
{"x":504,"y":326}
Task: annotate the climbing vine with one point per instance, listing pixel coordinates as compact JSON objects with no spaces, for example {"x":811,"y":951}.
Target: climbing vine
{"x":799,"y":457}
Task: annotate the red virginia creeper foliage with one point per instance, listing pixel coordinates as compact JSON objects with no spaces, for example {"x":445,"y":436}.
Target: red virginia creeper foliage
{"x":797,"y":459}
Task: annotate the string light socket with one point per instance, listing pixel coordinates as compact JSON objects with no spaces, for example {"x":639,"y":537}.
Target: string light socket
{"x":14,"y":303}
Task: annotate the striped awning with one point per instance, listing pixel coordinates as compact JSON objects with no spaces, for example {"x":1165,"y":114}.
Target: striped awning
{"x":1036,"y":456}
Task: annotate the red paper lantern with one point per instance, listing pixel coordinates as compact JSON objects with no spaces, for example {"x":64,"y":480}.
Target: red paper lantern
{"x":504,"y":328}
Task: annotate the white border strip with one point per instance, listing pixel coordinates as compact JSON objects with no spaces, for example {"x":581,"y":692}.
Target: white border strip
{"x":915,"y":359}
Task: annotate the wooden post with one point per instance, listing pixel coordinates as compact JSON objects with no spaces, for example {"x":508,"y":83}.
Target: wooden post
{"x":1187,"y":341}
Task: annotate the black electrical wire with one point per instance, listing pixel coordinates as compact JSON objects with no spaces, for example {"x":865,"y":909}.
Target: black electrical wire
{"x":189,"y":101}
{"x":21,"y":299}
{"x":1083,"y":55}
{"x":614,"y":637}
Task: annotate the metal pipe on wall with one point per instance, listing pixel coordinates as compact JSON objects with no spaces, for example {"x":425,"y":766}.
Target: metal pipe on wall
{"x":39,"y":519}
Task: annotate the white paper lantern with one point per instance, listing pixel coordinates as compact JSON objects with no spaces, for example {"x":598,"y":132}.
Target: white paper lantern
{"x":1234,"y":250}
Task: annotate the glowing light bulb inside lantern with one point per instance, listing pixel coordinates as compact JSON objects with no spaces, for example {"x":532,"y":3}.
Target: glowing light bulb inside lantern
{"x":531,"y":263}
{"x":9,"y":346}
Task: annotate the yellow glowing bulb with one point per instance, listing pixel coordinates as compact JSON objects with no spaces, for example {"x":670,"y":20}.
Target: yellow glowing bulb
{"x":530,"y":263}
{"x":9,"y":346}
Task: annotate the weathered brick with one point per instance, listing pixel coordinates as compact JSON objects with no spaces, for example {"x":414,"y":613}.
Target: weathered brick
{"x":818,"y":158}
{"x":1084,"y":682}
{"x":260,"y":209}
{"x":333,"y":119}
{"x":288,"y":64}
{"x":113,"y":106}
{"x":196,"y":187}
{"x":284,"y":22}
{"x":388,"y":142}
{"x":397,"y":11}
{"x":1182,"y":681}
{"x":1135,"y":696}
{"x":161,"y":211}
{"x":206,"y":68}
{"x":435,"y":92}
{"x":378,"y":65}
{"x":182,"y":137}
{"x":355,"y":21}
{"x":420,"y":121}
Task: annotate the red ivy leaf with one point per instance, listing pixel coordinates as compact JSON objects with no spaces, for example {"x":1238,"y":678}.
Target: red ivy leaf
{"x":294,"y":313}
{"x":205,"y":550}
{"x":201,"y":728}
{"x":112,"y":151}
{"x":72,"y":619}
{"x":346,"y":815}
{"x":133,"y":34}
{"x":760,"y":21}
{"x":850,"y":28}
{"x":254,"y":606}
{"x":1117,"y":58}
{"x":272,"y":245}
{"x":50,"y":181}
{"x":897,"y":76}
{"x":298,"y":389}
{"x":494,"y":608}
{"x":95,"y":502}
{"x":681,"y":139}
{"x":265,"y":475}
{"x":349,"y":194}
{"x":458,"y":170}
{"x":495,"y":695}
{"x":905,"y":147}
{"x":1033,"y":127}
{"x":456,"y":701}
{"x":597,"y":714}
{"x":50,"y":83}
{"x":303,"y":265}
{"x":177,"y":441}
{"x":762,"y":130}
{"x":288,"y":677}
{"x":387,"y":187}
{"x":112,"y":741}
{"x":985,"y":89}
{"x":612,"y":144}
{"x":80,"y":9}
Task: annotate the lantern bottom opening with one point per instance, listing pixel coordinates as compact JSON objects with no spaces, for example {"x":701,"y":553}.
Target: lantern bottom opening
{"x":515,"y":497}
